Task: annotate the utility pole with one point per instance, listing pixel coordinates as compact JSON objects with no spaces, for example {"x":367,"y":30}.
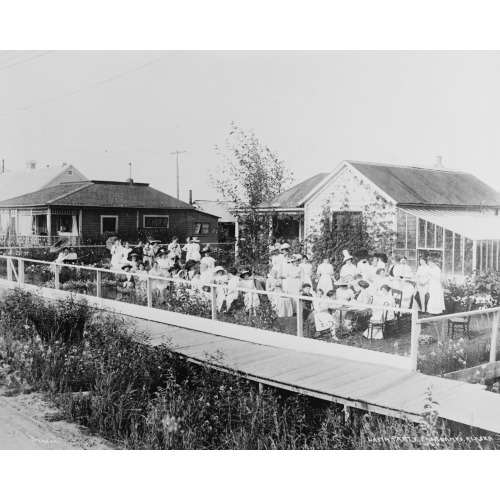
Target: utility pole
{"x":177,"y":153}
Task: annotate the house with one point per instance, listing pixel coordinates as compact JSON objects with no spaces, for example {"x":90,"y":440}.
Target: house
{"x":93,"y":210}
{"x":16,"y":183}
{"x":452,"y":215}
{"x":227,"y":221}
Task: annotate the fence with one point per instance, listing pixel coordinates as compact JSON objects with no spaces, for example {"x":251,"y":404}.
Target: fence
{"x":461,"y":346}
{"x":34,"y":240}
{"x":195,"y":301}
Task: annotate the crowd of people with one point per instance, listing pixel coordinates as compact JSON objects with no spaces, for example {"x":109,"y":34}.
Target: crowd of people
{"x":362,"y":281}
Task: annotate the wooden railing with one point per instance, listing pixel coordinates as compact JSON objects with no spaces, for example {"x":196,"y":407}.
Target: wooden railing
{"x":19,"y":277}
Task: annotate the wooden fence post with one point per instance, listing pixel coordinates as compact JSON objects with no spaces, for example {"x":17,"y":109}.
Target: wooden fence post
{"x":494,"y":337}
{"x":300,"y":319}
{"x":99,"y":283}
{"x":9,"y":269}
{"x":149,"y":292}
{"x":56,"y":276}
{"x":415,"y":333}
{"x":20,"y":270}
{"x":214,"y":302}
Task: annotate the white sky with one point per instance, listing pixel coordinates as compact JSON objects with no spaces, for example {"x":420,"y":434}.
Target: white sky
{"x":314,"y":108}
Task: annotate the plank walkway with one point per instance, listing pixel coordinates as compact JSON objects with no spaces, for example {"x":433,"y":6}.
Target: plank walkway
{"x":368,"y":386}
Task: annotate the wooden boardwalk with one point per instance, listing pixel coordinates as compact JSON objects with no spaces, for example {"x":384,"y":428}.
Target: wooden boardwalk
{"x":368,"y":386}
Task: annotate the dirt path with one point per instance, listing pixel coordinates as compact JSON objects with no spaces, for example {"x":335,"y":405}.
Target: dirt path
{"x":27,"y":422}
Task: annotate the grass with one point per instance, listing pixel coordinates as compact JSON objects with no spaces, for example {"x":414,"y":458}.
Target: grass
{"x":143,"y":397}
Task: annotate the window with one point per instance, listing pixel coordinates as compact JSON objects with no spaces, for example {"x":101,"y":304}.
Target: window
{"x":156,"y":221}
{"x":202,"y":228}
{"x":109,"y":223}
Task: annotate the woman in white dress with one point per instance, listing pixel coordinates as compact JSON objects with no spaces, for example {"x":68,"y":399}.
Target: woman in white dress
{"x":220,"y":278}
{"x":175,"y":247}
{"x":207,"y":266}
{"x":251,"y":300}
{"x":323,"y":320}
{"x":436,"y":295}
{"x":116,"y":255}
{"x":383,"y":299}
{"x":325,"y":273}
{"x":232,"y":283}
{"x":422,"y":276}
{"x":277,"y":260}
{"x":193,"y":250}
{"x":282,"y":305}
{"x":158,"y":286}
{"x":307,"y":266}
{"x":348,"y":270}
{"x":125,"y":251}
{"x":295,"y":279}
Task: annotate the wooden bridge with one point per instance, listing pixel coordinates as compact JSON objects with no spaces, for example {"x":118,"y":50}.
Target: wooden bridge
{"x":373,"y":381}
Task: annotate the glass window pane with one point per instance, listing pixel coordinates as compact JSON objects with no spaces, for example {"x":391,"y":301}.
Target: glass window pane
{"x":448,"y":252}
{"x":421,"y":233}
{"x":401,"y":229}
{"x":197,"y":228}
{"x":468,"y":256}
{"x":411,"y":241}
{"x":439,"y":237}
{"x":205,"y":229}
{"x":430,"y":235}
{"x":457,"y":267}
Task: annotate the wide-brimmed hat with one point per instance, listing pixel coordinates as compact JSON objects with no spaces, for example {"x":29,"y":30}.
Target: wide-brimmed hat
{"x":133,"y":254}
{"x":154,"y":241}
{"x":245,"y":272}
{"x":295,"y":257}
{"x":126,"y":265}
{"x":344,"y":282}
{"x":195,"y":239}
{"x":346,"y":255}
{"x":306,"y":285}
{"x":285,"y":246}
{"x":205,"y":249}
{"x":219,"y":268}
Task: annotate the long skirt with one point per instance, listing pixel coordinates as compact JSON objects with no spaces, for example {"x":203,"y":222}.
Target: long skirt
{"x":325,"y":283}
{"x":436,"y":298}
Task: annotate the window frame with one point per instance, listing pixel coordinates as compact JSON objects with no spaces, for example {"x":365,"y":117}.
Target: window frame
{"x":116,"y":217}
{"x":161,"y":216}
{"x":201,"y":233}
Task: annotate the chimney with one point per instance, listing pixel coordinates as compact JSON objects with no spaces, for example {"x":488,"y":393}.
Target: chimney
{"x":439,"y":165}
{"x":31,"y":165}
{"x":130,"y":181}
{"x":190,"y":196}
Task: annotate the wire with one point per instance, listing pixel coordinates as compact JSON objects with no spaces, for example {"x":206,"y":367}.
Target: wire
{"x":83,"y":89}
{"x":22,"y":54}
{"x":26,"y":60}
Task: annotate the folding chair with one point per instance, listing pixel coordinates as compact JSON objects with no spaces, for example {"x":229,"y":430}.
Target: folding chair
{"x":378,"y":322}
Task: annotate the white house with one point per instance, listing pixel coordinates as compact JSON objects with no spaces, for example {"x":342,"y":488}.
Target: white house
{"x":451,"y":214}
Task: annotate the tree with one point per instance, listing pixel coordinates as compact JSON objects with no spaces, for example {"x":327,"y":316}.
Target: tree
{"x":248,"y":174}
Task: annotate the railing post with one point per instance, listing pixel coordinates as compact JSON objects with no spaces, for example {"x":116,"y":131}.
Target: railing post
{"x":214,"y":302}
{"x":494,"y":337}
{"x":99,"y":283}
{"x":9,"y":269}
{"x":149,"y":291}
{"x":415,"y":333}
{"x":300,"y":319}
{"x":20,"y":271}
{"x":56,"y":276}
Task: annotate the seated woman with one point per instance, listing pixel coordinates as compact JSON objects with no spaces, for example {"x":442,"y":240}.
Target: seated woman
{"x":72,"y":257}
{"x":220,"y":278}
{"x":232,"y":283}
{"x":383,"y":299}
{"x":126,"y":282}
{"x":282,"y":305}
{"x":158,"y":286}
{"x":251,"y":300}
{"x":323,"y":320}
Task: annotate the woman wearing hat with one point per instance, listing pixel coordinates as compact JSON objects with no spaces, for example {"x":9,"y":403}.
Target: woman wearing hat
{"x":207,"y":265}
{"x":193,"y":250}
{"x":175,"y":247}
{"x":325,"y":272}
{"x":158,"y":285}
{"x":282,"y":305}
{"x":116,"y":254}
{"x":251,"y":300}
{"x":220,"y":278}
{"x":232,"y":283}
{"x":295,"y":279}
{"x":348,"y":270}
{"x":307,"y":266}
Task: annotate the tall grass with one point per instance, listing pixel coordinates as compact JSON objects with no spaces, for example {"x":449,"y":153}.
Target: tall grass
{"x":104,"y":375}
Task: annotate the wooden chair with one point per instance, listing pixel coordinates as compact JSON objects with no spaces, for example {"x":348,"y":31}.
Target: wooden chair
{"x":398,"y":298}
{"x":461,"y":322}
{"x":378,"y":323}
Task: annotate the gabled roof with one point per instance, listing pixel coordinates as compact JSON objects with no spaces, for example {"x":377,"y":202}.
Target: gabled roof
{"x":292,"y":198}
{"x":409,"y":185}
{"x":403,"y":184}
{"x":216,"y":208}
{"x":18,"y":182}
{"x":99,"y":194}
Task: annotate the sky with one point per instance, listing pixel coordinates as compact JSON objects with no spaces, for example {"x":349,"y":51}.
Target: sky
{"x":101,"y":110}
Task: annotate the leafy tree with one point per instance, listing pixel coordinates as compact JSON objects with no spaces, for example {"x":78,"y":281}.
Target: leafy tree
{"x":248,"y":174}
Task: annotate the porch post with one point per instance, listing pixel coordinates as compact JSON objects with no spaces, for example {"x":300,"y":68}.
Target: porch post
{"x":474,"y":255}
{"x":494,"y":338}
{"x":80,"y":223}
{"x":49,"y":224}
{"x":237,"y":237}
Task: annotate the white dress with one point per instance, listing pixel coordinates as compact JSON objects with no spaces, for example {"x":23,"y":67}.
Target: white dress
{"x":282,"y":305}
{"x":323,"y":320}
{"x":363,"y":268}
{"x":436,"y":295}
{"x":232,"y":295}
{"x":325,"y":272}
{"x":252,"y":301}
{"x":348,"y":269}
{"x":207,"y":266}
{"x":193,"y":252}
{"x":116,"y":256}
{"x":307,"y":266}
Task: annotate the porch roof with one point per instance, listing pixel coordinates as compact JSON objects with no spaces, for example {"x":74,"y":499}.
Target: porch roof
{"x":472,"y":225}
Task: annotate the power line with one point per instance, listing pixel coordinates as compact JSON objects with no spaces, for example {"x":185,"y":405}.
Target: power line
{"x":26,"y":60}
{"x":23,"y":53}
{"x":83,"y":89}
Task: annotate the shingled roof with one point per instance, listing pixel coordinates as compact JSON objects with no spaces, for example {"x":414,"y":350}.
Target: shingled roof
{"x":428,"y":186}
{"x":99,"y":194}
{"x":291,"y":198}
